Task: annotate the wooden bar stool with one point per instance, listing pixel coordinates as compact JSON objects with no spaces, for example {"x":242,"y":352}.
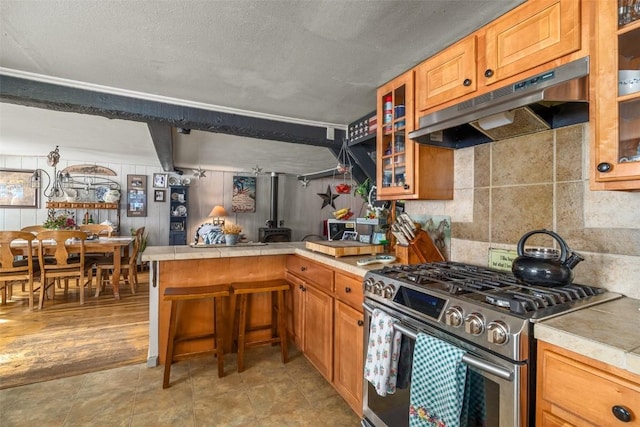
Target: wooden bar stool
{"x":278,"y":316}
{"x":175,"y":295}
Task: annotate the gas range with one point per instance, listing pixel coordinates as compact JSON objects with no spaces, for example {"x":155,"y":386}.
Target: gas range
{"x":489,"y":309}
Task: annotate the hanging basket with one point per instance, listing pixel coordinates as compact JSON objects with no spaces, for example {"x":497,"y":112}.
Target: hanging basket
{"x":343,"y":188}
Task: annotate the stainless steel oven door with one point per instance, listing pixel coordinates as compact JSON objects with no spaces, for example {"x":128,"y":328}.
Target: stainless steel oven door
{"x":505,"y":382}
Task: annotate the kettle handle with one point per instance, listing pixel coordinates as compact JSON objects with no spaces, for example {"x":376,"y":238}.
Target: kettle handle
{"x":564,"y":249}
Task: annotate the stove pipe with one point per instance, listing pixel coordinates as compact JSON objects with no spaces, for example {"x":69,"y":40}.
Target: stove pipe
{"x":273,"y":219}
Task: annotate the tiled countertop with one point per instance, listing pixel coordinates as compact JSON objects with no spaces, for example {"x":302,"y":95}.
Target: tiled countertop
{"x":608,"y":332}
{"x":169,"y":253}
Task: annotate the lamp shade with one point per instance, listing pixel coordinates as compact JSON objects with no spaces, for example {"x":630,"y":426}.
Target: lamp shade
{"x":217,"y":212}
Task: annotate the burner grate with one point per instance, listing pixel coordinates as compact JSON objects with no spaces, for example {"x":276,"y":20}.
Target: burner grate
{"x":497,"y":288}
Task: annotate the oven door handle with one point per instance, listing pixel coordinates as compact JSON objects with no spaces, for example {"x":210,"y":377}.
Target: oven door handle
{"x":479,"y":364}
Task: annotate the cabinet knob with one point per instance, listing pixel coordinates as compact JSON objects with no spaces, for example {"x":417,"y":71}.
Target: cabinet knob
{"x":466,"y":82}
{"x":360,"y":322}
{"x":488,"y":72}
{"x":303,"y":268}
{"x":347,"y":290}
{"x":621,"y":413}
{"x":604,"y":167}
{"x":406,"y":186}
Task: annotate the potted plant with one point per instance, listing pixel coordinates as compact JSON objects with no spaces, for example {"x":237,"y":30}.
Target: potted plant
{"x":61,"y":221}
{"x":231,"y":233}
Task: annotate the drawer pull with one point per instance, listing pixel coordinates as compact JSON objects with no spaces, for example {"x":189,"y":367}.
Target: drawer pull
{"x":621,"y":413}
{"x":360,"y":322}
{"x":347,"y":290}
{"x":303,"y":268}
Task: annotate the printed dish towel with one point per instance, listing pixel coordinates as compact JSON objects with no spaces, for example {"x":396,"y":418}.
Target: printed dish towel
{"x":381,"y":366}
{"x":438,"y":379}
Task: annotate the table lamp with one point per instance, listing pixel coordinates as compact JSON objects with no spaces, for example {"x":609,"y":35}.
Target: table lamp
{"x":218,"y":213}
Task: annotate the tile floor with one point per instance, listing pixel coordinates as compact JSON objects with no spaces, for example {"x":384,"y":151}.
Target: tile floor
{"x":268,"y":393}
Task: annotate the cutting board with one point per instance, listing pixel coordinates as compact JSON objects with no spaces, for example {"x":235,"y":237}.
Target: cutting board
{"x":339,"y":248}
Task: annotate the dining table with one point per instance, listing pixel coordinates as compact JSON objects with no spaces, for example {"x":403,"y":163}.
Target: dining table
{"x":115,"y":245}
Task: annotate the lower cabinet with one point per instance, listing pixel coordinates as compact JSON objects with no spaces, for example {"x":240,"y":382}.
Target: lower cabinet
{"x":574,"y":390}
{"x":327,"y":324}
{"x":348,"y":361}
{"x":311,"y":322}
{"x":318,"y":328}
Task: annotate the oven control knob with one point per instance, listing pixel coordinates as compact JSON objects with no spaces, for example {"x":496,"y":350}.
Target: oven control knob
{"x":454,"y":316}
{"x":497,"y":332}
{"x":388,"y":291}
{"x":368,"y":284}
{"x":474,"y":324}
{"x":377,"y":288}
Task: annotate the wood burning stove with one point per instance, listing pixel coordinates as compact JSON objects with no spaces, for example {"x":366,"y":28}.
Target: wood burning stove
{"x":272,"y":233}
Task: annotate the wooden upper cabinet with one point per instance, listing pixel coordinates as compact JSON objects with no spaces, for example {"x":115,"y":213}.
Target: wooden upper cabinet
{"x":535,"y":33}
{"x":448,"y":75}
{"x":615,"y":117}
{"x":406,"y":169}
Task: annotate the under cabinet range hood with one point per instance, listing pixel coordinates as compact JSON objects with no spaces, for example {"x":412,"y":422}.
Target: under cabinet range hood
{"x":549,"y":100}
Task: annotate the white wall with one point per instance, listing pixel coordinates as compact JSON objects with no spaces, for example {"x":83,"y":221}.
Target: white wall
{"x":299,"y":207}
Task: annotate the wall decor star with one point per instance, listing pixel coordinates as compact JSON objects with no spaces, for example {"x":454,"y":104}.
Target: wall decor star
{"x":328,"y":198}
{"x":199,"y":173}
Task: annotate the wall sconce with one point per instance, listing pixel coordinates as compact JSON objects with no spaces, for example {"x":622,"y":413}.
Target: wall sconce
{"x":55,"y":187}
{"x":217,"y":214}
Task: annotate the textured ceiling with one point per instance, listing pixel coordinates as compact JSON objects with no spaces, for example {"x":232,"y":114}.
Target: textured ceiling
{"x":319,"y":61}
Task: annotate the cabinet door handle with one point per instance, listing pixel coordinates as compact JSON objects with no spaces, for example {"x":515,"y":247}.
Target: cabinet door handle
{"x":488,"y":72}
{"x":406,"y":186}
{"x":347,"y":290}
{"x":466,"y":82}
{"x":621,"y":413}
{"x":604,"y":167}
{"x":303,"y":268}
{"x":360,"y":322}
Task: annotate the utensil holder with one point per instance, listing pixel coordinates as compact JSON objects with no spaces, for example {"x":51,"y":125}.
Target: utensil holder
{"x":420,"y":250}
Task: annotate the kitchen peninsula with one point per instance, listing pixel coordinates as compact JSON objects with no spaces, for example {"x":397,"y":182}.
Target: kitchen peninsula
{"x":325,"y":315}
{"x":334,"y":287}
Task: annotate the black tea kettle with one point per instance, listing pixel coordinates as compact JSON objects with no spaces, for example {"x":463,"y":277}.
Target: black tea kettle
{"x":544,"y":267}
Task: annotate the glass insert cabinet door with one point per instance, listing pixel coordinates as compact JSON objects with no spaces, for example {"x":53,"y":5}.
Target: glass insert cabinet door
{"x":395,"y":152}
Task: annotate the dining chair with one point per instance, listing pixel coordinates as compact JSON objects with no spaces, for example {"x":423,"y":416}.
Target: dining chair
{"x":128,"y":266}
{"x":14,"y":270}
{"x":63,"y":244}
{"x":33,"y":228}
{"x":99,"y":229}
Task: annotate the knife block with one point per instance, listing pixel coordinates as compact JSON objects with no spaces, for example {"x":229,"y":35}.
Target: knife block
{"x":420,"y":250}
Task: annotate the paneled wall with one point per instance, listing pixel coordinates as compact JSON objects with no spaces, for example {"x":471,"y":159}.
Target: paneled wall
{"x":506,"y":188}
{"x":298,"y":207}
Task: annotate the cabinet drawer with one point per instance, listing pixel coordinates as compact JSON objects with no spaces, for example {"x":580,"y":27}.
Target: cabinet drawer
{"x":349,"y":290}
{"x":312,"y":272}
{"x":586,"y":391}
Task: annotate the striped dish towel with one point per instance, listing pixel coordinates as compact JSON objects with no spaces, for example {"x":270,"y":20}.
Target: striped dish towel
{"x":381,"y":366}
{"x":438,"y":381}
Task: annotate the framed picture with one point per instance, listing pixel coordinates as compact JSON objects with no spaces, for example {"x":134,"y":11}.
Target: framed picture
{"x":160,"y":180}
{"x":158,"y":196}
{"x":177,"y":226}
{"x":15,"y":189}
{"x":137,"y":195}
{"x":244,"y":194}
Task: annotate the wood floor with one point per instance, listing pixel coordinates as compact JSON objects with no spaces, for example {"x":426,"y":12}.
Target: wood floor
{"x":66,"y":338}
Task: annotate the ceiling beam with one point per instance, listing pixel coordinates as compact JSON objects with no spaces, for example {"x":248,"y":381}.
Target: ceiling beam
{"x":32,"y":93}
{"x":162,"y":137}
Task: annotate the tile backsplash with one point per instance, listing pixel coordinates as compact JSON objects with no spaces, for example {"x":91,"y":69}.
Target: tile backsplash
{"x":507,"y":188}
